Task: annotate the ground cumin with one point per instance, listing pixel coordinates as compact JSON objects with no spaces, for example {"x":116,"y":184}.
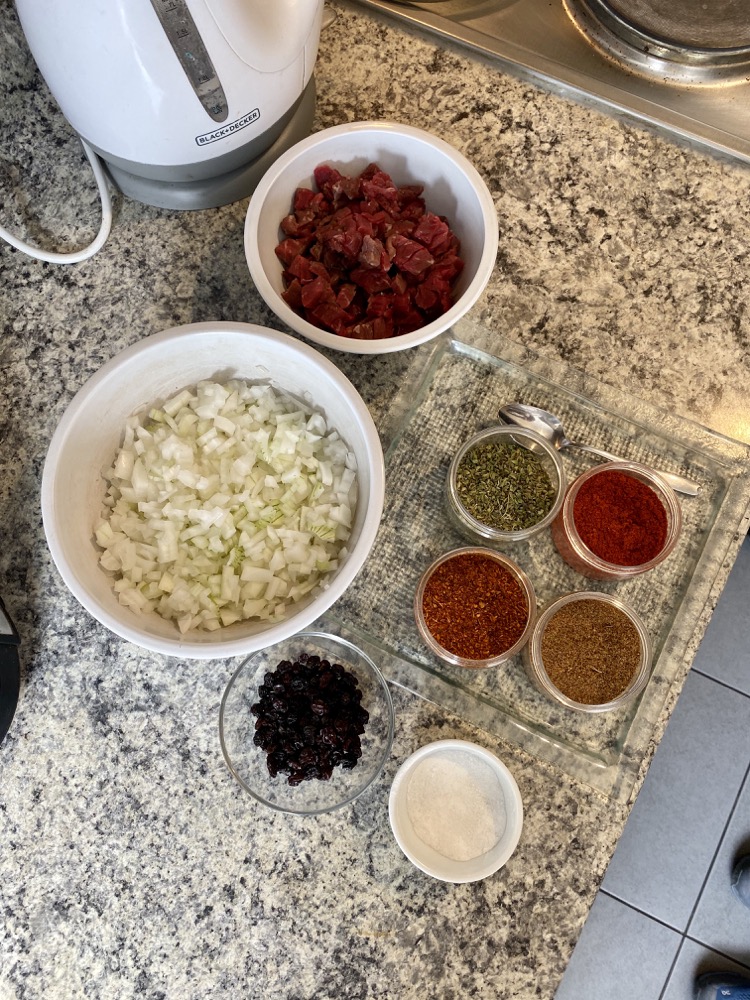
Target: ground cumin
{"x":590,"y":651}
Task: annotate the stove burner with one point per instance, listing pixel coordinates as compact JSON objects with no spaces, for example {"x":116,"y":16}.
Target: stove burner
{"x":690,"y":41}
{"x":540,"y":41}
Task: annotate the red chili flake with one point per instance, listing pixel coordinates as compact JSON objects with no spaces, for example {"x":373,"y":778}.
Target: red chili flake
{"x":474,"y":607}
{"x":380,"y":264}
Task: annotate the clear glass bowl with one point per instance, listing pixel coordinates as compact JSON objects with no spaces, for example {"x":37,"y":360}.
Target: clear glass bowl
{"x":247,"y":762}
{"x":572,"y":548}
{"x":475,"y":530}
{"x":534,"y":664}
{"x":445,"y":654}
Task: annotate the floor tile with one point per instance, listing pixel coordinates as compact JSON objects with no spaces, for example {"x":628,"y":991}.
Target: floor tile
{"x":670,"y":838}
{"x":692,"y":961}
{"x":620,"y":955}
{"x":725,"y":650}
{"x":720,"y":921}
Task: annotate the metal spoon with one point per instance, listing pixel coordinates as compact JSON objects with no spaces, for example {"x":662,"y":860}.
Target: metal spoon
{"x":548,"y":426}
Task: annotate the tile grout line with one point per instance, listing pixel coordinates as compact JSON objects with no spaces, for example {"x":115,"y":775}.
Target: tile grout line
{"x":721,"y":683}
{"x":672,"y":967}
{"x":664,"y":923}
{"x":730,"y":817}
{"x":722,"y":954}
{"x":685,"y":934}
{"x":640,"y":912}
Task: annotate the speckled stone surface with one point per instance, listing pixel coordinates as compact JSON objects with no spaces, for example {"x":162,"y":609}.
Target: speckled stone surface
{"x":132,"y":864}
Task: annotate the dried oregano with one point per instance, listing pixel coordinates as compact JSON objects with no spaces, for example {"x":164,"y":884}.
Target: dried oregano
{"x":504,"y":486}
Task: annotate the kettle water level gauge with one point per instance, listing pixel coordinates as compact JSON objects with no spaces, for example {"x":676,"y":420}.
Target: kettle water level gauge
{"x":185,"y":39}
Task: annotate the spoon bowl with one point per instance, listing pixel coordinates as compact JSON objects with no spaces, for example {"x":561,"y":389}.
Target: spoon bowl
{"x":548,"y":426}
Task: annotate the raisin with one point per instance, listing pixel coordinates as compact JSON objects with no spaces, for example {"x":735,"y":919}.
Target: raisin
{"x":308,"y":719}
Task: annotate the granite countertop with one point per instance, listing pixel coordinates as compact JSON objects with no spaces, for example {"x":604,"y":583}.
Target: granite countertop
{"x":132,"y":864}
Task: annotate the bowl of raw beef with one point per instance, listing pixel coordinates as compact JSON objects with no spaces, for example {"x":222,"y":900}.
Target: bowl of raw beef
{"x":371,"y":237}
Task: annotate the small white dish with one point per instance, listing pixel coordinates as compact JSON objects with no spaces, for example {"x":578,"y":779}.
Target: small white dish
{"x":455,"y":811}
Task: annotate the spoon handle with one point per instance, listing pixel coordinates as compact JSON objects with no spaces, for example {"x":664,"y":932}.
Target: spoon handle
{"x":678,"y":483}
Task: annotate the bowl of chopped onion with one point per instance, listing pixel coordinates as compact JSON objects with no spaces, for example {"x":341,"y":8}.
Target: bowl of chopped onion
{"x":212,"y":490}
{"x":371,"y":237}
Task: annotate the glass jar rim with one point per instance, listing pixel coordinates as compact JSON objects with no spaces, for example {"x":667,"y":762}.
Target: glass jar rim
{"x":507,"y":430}
{"x":640,"y":673}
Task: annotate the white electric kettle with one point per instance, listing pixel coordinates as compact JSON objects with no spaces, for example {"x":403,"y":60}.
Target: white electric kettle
{"x":186,"y":101}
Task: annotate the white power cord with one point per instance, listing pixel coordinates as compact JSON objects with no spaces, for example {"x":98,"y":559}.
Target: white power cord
{"x":75,"y":256}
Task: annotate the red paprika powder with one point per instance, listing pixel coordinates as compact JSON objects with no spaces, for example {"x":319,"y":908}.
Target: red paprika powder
{"x":620,"y":519}
{"x":474,"y":607}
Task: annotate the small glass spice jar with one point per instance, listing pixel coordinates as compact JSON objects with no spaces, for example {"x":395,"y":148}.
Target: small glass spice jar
{"x":617,"y":520}
{"x":589,"y":651}
{"x":474,"y":607}
{"x":504,"y":485}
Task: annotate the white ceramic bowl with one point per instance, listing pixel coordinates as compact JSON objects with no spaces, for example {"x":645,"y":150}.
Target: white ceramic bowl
{"x":90,"y":432}
{"x":455,"y":811}
{"x":452,"y":187}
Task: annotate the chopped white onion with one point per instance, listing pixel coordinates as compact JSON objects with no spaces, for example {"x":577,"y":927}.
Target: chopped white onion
{"x":229,"y":502}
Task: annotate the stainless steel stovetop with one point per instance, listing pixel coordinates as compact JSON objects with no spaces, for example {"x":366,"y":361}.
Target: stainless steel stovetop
{"x":539,"y":41}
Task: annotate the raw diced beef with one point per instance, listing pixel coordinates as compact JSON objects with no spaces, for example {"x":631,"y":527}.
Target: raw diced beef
{"x":370,"y":281}
{"x":372,"y":253}
{"x":317,"y":291}
{"x":288,"y":249}
{"x":364,"y":258}
{"x":434,"y":233}
{"x":410,"y":256}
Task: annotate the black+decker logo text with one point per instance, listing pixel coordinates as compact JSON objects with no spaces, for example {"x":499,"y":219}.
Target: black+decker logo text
{"x":228,"y":129}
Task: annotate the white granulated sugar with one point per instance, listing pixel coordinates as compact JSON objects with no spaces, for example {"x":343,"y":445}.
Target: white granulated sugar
{"x":456,"y":805}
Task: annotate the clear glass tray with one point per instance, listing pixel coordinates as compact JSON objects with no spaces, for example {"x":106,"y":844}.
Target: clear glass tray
{"x":465,"y":382}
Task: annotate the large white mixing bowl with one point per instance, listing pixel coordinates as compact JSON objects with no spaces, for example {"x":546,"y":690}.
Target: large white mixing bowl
{"x":90,"y":432}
